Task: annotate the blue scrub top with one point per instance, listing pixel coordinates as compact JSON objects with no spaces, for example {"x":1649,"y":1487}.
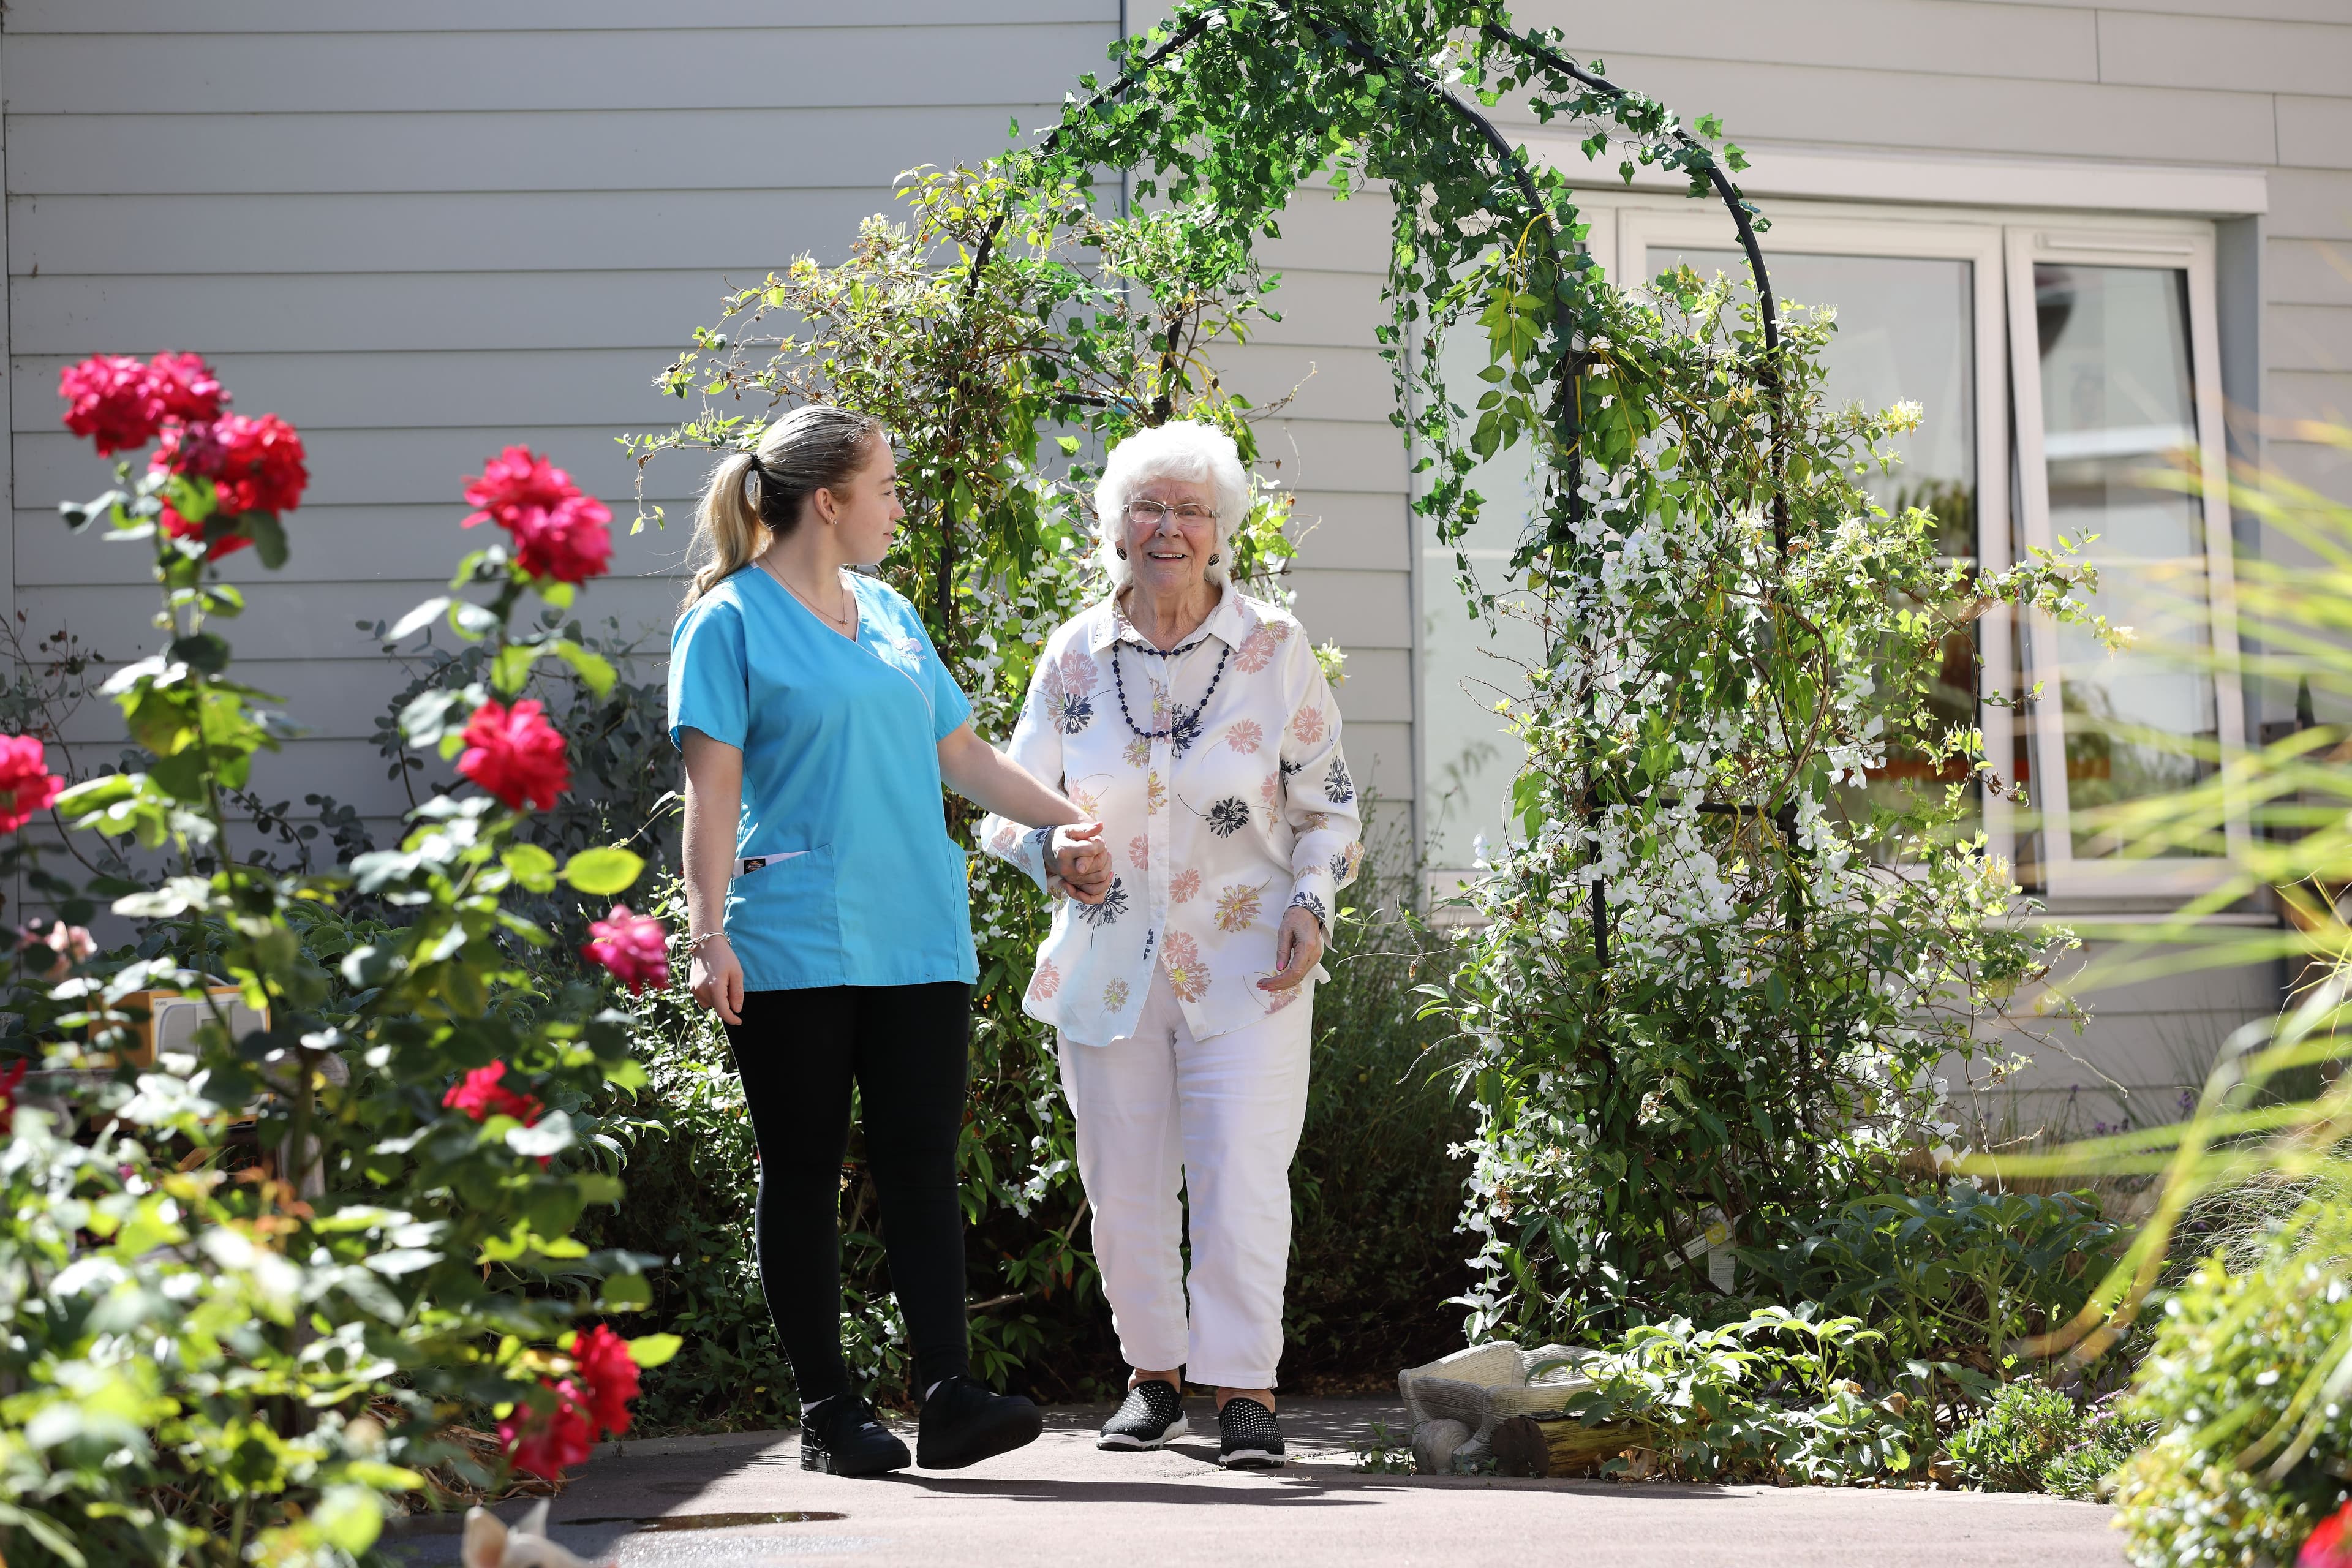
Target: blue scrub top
{"x":841,"y":781}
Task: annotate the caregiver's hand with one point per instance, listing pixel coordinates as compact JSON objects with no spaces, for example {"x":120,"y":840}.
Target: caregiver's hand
{"x":1082,"y":861}
{"x":1297,"y":949}
{"x":717,"y":980}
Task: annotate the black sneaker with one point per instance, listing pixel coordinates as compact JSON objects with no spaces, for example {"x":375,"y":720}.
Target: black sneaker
{"x":1153,"y":1412}
{"x":1252,"y":1440}
{"x":840,"y":1436}
{"x":964,"y":1422}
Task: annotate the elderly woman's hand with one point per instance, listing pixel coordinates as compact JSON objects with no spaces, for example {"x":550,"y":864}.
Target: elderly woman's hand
{"x":1081,"y":862}
{"x":1297,"y":949}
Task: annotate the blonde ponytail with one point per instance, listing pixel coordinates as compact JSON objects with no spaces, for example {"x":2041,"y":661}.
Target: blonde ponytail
{"x":727,"y":531}
{"x":750,"y":496}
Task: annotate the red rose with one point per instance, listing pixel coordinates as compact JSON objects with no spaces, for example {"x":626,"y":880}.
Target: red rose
{"x":2327,"y":1547}
{"x":516,"y":754}
{"x":26,"y":785}
{"x":182,"y":386}
{"x":546,"y":1443}
{"x":559,"y":533}
{"x":261,"y":464}
{"x":13,"y":1076}
{"x":516,"y":478}
{"x":569,"y":542}
{"x":111,"y":398}
{"x":634,"y":948}
{"x":611,"y":1373}
{"x":481,"y":1096}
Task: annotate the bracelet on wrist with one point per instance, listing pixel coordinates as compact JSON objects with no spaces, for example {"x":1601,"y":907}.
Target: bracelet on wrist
{"x":695,"y":943}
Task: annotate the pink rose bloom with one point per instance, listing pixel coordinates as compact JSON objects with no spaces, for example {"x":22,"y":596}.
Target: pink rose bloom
{"x":634,"y":948}
{"x":558,"y":532}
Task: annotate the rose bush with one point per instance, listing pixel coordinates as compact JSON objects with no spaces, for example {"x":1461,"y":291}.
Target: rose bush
{"x":246,"y":1287}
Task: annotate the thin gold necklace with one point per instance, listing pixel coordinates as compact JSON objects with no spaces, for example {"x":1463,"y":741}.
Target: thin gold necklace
{"x":839,"y":623}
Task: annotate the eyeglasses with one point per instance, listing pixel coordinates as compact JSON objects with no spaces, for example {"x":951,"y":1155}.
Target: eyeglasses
{"x":1153,"y":512}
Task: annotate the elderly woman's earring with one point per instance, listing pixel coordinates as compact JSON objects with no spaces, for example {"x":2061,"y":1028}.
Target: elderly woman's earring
{"x":1214,"y":558}
{"x":1122,"y":551}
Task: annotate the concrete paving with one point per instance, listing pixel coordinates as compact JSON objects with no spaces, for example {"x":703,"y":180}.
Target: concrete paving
{"x":1062,"y":1501}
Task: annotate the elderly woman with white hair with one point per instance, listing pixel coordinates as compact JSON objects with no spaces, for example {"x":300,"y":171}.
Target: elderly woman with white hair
{"x":1194,"y":723}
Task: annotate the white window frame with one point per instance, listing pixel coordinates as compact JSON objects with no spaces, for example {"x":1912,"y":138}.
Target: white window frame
{"x":2179,"y":246}
{"x":1895,"y":235}
{"x":2001,"y":245}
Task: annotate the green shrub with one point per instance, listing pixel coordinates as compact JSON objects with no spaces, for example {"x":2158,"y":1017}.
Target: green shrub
{"x":2245,"y":1381}
{"x":1767,"y":1399}
{"x":1961,"y":1275}
{"x":2036,"y":1438}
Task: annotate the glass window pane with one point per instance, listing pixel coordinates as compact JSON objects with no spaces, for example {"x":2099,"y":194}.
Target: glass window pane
{"x":1466,"y":669}
{"x":1905,"y":329}
{"x":2117,"y":397}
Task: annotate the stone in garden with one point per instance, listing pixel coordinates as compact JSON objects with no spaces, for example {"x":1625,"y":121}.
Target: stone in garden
{"x":1434,"y":1445}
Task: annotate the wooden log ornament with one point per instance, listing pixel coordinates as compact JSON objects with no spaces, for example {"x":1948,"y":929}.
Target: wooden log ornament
{"x":1562,"y":1445}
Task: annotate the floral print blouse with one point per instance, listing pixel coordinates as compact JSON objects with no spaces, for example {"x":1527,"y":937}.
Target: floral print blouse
{"x":1244,"y":811}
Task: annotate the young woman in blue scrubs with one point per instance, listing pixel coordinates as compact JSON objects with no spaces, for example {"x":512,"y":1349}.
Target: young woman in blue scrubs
{"x":830,"y":921}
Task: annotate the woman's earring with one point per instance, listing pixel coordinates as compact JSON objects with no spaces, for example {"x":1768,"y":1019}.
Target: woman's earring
{"x":1122,"y":551}
{"x":1214,"y":558}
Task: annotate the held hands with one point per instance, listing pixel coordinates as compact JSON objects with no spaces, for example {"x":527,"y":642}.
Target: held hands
{"x":1079,"y":858}
{"x":1297,"y":949}
{"x":717,"y":980}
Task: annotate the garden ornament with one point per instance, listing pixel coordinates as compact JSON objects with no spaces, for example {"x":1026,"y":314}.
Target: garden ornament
{"x":1479,"y":1388}
{"x":491,"y":1542}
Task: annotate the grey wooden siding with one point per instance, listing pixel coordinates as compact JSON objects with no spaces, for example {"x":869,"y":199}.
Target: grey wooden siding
{"x":425,"y":230}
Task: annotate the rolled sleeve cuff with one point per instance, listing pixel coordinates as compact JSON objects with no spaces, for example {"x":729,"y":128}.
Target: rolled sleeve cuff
{"x":1314,"y":891}
{"x":1027,"y":851}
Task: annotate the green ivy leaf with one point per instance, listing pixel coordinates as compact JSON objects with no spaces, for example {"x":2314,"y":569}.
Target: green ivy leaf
{"x":604,"y":872}
{"x":532,"y":866}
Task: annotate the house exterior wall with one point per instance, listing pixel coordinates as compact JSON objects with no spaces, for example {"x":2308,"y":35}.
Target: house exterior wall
{"x":424,"y":230}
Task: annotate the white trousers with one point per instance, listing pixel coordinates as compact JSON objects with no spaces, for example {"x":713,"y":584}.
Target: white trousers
{"x":1162,"y":1113}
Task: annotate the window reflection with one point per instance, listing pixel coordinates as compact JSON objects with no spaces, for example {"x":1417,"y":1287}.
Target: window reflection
{"x":1905,"y":329}
{"x":2117,"y":397}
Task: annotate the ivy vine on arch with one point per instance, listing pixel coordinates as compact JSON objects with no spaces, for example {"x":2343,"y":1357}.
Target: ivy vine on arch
{"x":1733,"y":634}
{"x":1710,"y":988}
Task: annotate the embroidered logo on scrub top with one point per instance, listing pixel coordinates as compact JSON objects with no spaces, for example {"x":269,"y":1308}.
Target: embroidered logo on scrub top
{"x":905,"y":655}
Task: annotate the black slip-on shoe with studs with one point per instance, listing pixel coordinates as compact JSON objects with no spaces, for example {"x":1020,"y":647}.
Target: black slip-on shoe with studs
{"x":840,"y":1437}
{"x":1152,"y":1414}
{"x":1251,"y":1440}
{"x":965,"y":1421}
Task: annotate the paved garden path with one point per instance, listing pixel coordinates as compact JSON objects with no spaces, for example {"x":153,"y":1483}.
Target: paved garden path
{"x":1060,"y":1501}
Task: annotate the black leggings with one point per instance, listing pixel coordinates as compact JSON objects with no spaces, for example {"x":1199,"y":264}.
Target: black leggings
{"x":908,"y":1049}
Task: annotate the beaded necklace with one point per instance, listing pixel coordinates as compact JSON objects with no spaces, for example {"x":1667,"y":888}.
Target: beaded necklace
{"x":1183,"y":729}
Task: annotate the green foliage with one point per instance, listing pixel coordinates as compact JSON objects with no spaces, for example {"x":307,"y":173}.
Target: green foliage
{"x":245,"y":1289}
{"x":2035,"y":1438}
{"x":1376,"y":1187}
{"x":2246,"y":1386}
{"x":1962,"y":1274}
{"x":1770,"y":1397}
